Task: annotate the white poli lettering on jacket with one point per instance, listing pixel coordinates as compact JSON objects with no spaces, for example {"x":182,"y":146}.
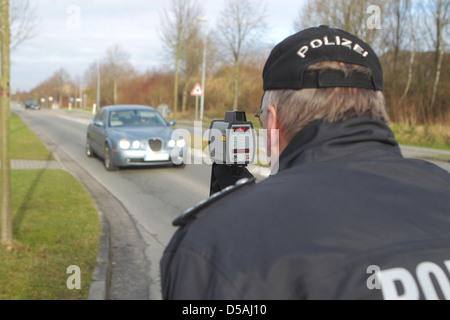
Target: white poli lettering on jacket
{"x":400,"y":284}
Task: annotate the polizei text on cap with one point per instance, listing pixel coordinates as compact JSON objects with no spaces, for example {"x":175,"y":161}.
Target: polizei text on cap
{"x":338,"y":41}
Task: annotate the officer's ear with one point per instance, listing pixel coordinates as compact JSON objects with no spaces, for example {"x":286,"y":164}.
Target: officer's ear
{"x":273,"y":134}
{"x":272,"y":118}
{"x":275,"y":138}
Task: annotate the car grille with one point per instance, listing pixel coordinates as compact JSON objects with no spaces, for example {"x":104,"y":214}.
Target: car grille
{"x":155,"y":144}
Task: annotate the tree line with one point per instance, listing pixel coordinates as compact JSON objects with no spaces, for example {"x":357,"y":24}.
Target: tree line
{"x":408,"y":35}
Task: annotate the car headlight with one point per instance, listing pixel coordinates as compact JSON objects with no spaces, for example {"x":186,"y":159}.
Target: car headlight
{"x":136,"y":144}
{"x":171,"y":143}
{"x":124,"y":144}
{"x":181,"y":143}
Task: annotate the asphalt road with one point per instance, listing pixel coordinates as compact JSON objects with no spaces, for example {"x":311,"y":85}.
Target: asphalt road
{"x":440,"y":158}
{"x":151,"y":196}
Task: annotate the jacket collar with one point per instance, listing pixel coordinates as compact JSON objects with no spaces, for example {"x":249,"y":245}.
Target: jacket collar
{"x":322,"y":141}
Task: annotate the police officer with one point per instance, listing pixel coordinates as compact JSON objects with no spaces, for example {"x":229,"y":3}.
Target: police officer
{"x":345,"y":217}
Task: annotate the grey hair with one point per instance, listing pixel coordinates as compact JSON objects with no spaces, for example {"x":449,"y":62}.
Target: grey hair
{"x":298,"y":108}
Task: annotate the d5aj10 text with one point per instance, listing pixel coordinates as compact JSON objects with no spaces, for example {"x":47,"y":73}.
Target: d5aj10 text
{"x":237,"y":309}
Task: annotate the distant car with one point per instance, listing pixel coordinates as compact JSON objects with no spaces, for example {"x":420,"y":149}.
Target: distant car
{"x":133,"y":135}
{"x":32,"y":105}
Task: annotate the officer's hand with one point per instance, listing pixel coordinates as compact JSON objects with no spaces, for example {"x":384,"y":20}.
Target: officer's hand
{"x":223,"y":176}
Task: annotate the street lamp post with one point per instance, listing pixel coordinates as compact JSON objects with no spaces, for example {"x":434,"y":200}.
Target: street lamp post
{"x":98,"y":84}
{"x":202,"y":98}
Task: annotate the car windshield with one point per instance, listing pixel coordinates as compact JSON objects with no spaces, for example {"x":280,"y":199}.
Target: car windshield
{"x":136,"y":118}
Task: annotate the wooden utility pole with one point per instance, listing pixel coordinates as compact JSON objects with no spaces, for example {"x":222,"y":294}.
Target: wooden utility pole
{"x":6,"y":213}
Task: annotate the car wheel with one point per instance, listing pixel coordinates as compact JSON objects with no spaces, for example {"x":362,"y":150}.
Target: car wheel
{"x":89,"y":152}
{"x":108,"y":160}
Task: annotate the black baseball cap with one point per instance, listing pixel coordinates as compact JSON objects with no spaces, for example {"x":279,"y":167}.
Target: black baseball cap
{"x":286,"y":65}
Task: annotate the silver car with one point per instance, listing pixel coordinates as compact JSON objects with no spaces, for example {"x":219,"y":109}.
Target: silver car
{"x":133,"y":135}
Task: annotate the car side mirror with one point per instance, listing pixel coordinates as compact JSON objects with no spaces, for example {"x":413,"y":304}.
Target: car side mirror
{"x":172,"y":123}
{"x":99,"y":123}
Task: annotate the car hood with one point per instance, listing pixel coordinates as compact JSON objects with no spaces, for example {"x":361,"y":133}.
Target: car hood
{"x":141,"y":133}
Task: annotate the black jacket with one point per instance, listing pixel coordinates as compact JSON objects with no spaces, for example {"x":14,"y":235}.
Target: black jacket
{"x":346,"y":217}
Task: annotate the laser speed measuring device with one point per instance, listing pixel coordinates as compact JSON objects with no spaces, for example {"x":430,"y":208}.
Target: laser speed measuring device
{"x":232,"y":140}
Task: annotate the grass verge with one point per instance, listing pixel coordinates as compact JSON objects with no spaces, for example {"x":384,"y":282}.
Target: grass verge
{"x":55,"y":225}
{"x":436,"y":137}
{"x":24,"y":144}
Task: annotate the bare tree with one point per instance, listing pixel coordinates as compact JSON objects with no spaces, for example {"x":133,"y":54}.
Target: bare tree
{"x":400,"y":9}
{"x":440,"y":11}
{"x":410,"y":36}
{"x":61,"y":85}
{"x":191,"y":62}
{"x":395,"y":38}
{"x":241,"y":24}
{"x":410,"y":71}
{"x":22,"y":22}
{"x":117,"y":66}
{"x":177,"y":25}
{"x":349,"y":15}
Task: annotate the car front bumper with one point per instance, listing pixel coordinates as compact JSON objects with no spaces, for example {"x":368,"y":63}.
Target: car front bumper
{"x":126,"y":158}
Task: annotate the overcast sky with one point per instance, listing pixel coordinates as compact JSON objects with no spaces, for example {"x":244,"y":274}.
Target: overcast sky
{"x":70,"y":34}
